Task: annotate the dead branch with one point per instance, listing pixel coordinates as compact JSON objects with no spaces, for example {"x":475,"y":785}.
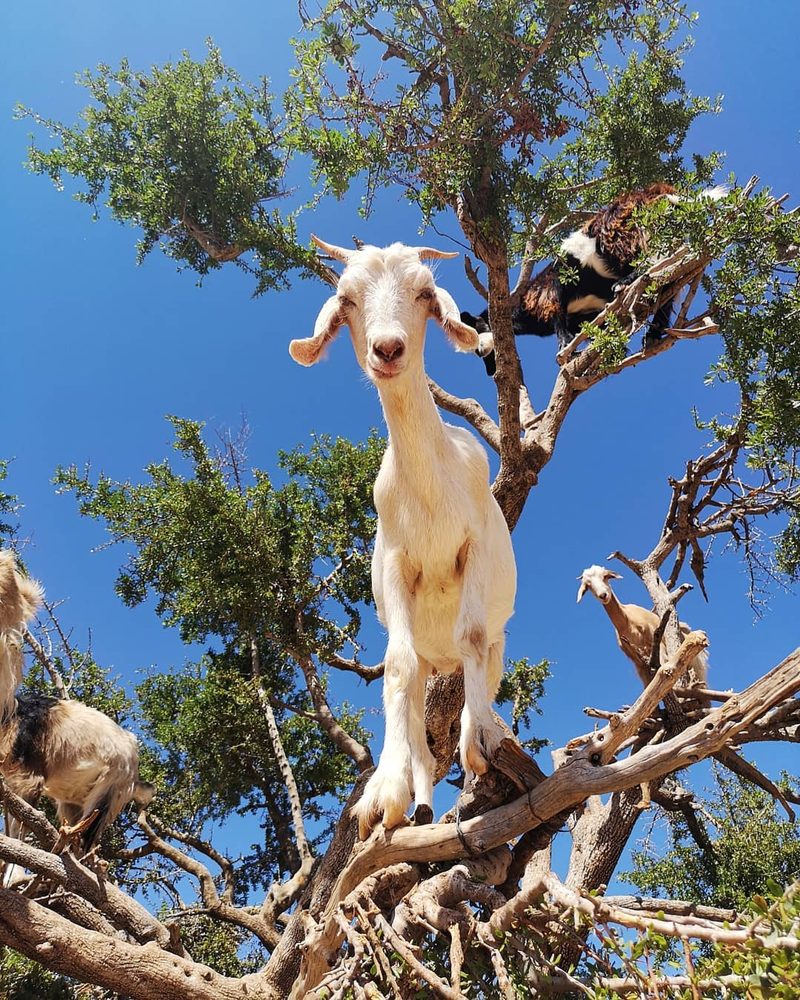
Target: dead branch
{"x":474,"y":278}
{"x":44,"y":936}
{"x":217,"y":906}
{"x":280,"y":897}
{"x":66,"y":871}
{"x":366,"y":672}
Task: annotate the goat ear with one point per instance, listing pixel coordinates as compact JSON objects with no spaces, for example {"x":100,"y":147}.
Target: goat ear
{"x":445,"y":312}
{"x":611,"y":575}
{"x":309,"y":350}
{"x":582,"y":590}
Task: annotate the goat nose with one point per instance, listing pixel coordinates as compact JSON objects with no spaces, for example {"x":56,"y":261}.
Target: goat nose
{"x":390,"y":349}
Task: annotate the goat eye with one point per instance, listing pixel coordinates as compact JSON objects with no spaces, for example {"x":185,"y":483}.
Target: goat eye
{"x":425,"y":295}
{"x":344,"y":301}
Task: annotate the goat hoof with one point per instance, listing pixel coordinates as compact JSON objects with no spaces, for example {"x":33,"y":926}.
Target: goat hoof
{"x":386,"y":798}
{"x":423,"y":815}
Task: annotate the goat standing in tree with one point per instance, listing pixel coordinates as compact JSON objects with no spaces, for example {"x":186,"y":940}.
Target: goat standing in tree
{"x":594,"y":262}
{"x":443,"y":571}
{"x":73,"y":754}
{"x":635,"y":627}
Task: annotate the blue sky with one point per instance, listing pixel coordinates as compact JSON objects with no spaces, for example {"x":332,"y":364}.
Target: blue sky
{"x":96,"y":351}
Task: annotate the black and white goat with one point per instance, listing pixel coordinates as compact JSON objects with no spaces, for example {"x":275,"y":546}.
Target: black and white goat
{"x":73,"y":754}
{"x":593,"y":263}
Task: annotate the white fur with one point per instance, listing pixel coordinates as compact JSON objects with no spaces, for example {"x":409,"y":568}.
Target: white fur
{"x":443,"y":571}
{"x":635,"y":626}
{"x":586,"y":303}
{"x":20,"y":598}
{"x":584,"y":248}
{"x":716,"y":193}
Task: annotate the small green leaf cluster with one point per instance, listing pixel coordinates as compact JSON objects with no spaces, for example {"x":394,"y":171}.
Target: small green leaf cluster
{"x":9,"y":507}
{"x":767,"y":966}
{"x":22,"y":979}
{"x":610,"y":340}
{"x":522,"y":687}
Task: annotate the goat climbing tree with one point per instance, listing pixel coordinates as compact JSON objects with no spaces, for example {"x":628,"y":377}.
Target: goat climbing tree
{"x":513,"y":119}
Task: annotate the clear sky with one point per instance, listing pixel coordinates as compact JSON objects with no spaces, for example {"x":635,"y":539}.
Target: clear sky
{"x":95,"y":352}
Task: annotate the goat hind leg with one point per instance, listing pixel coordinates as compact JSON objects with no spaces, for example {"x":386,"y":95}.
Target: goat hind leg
{"x":480,"y":733}
{"x":387,"y":794}
{"x":422,"y":760}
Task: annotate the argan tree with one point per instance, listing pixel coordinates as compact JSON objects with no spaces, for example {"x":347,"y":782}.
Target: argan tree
{"x":514,"y":121}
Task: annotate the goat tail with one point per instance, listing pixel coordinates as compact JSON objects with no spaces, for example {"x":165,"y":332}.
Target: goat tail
{"x":542,"y":298}
{"x":105,"y":816}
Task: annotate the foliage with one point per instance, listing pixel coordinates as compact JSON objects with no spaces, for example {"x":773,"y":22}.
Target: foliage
{"x":188,"y":154}
{"x":231,"y":556}
{"x":21,"y":979}
{"x":764,"y":967}
{"x":522,"y":686}
{"x":227,"y":558}
{"x":221,"y":946}
{"x":770,"y":970}
{"x":9,"y":507}
{"x":728,"y":871}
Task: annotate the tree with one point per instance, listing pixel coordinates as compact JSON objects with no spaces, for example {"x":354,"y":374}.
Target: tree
{"x":515,"y":119}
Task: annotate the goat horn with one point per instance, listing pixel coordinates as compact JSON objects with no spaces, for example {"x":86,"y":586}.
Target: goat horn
{"x":428,"y":253}
{"x":338,"y":253}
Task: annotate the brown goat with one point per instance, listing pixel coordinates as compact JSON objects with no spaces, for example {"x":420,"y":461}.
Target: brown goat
{"x":73,"y":754}
{"x":635,"y":627}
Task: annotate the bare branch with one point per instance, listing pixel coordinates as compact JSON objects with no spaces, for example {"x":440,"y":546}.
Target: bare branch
{"x":215,"y":905}
{"x":471,"y":411}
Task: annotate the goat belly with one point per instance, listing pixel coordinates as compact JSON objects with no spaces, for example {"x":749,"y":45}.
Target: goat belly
{"x":590,"y":284}
{"x":437,"y":604}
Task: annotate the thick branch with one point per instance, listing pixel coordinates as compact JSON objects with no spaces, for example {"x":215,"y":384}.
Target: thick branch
{"x":142,"y":973}
{"x":471,"y":411}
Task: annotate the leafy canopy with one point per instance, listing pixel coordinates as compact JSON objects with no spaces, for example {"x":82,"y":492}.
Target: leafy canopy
{"x":188,"y":154}
{"x":502,"y":115}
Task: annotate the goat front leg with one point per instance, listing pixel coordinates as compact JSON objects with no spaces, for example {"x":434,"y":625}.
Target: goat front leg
{"x":483,"y":665}
{"x":406,"y":763}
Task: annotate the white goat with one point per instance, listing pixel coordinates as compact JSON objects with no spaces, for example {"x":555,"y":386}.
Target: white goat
{"x":443,"y":571}
{"x":636,"y":626}
{"x":73,"y":754}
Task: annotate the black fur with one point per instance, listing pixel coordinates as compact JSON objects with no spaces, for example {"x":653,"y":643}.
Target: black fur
{"x":33,"y":722}
{"x":544,"y":307}
{"x":565,"y":324}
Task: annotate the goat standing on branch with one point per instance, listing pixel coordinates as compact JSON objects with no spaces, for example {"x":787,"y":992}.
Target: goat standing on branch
{"x":636,"y":627}
{"x":594,"y":262}
{"x":71,"y":753}
{"x":443,"y":571}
